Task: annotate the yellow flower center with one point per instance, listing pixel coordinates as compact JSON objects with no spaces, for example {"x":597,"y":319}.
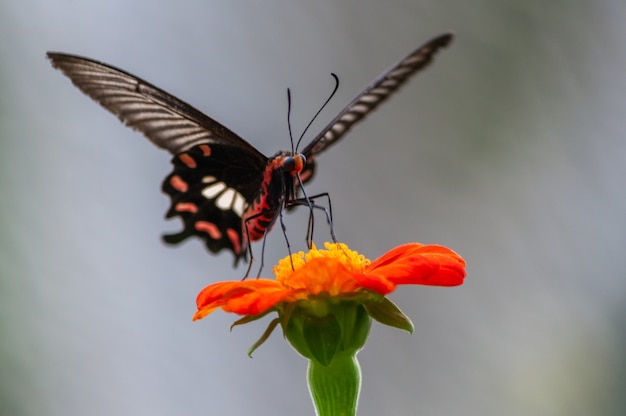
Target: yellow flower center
{"x":352,"y":260}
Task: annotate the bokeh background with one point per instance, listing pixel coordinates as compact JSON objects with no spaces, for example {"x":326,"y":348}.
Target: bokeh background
{"x":511,"y":149}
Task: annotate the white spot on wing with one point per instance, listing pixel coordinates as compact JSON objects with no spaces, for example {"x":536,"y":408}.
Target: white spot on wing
{"x":380,"y":91}
{"x":226,"y":200}
{"x":239,"y":204}
{"x":209,"y":179}
{"x":212,"y":191}
{"x":360,"y":108}
{"x":338,"y":128}
{"x":370,"y":98}
{"x":348,"y":118}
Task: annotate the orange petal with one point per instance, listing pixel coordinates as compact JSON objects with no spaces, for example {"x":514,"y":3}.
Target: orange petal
{"x":242,"y":297}
{"x":393,"y":254}
{"x":420,"y":264}
{"x":376,"y":282}
{"x":257,"y":302}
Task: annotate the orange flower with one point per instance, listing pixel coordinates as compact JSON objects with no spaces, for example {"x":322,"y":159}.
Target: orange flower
{"x":336,"y":273}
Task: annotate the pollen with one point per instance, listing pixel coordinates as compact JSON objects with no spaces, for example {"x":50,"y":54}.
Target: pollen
{"x":351,"y":259}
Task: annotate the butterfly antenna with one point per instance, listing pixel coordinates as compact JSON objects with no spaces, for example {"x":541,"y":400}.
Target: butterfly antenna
{"x":332,"y":94}
{"x":289,"y":119}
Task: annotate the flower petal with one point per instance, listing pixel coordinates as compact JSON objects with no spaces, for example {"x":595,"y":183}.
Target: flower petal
{"x":393,"y":254}
{"x":256,"y":302}
{"x":376,"y":282}
{"x":246,"y":297}
{"x":419,"y":264}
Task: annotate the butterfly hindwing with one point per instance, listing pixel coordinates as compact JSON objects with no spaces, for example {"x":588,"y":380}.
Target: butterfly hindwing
{"x":210,"y":189}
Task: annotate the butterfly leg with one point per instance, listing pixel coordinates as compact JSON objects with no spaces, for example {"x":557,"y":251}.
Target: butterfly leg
{"x":328,"y":213}
{"x":258,"y":274}
{"x":275,"y":215}
{"x":249,"y":250}
{"x":305,"y":200}
{"x":279,"y":215}
{"x":284,"y":228}
{"x":310,"y":202}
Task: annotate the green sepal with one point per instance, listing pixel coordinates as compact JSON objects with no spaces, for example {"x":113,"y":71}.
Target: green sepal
{"x":249,"y":318}
{"x":322,"y":336}
{"x":387,"y":313}
{"x":268,"y":331}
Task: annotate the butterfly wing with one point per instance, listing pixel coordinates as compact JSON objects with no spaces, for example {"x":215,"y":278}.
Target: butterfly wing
{"x":168,"y":122}
{"x":373,"y":95}
{"x":216,"y":173}
{"x":210,"y":188}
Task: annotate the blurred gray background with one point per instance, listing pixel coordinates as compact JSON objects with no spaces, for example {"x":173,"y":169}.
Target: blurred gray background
{"x":510,"y":150}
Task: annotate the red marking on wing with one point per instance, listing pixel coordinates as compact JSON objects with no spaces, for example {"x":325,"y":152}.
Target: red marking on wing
{"x":178,"y":183}
{"x":209,"y":228}
{"x":206,"y":150}
{"x":233,"y":236}
{"x":186,"y":207}
{"x":187,"y":160}
{"x":305,"y":176}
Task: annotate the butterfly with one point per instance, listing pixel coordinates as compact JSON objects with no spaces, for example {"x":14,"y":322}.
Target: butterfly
{"x":225,"y":191}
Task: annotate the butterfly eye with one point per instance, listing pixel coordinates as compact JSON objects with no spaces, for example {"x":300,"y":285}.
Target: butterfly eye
{"x":289,"y":164}
{"x":294,"y":164}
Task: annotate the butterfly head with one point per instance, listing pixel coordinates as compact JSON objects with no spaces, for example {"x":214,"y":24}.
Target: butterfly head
{"x":294,"y":164}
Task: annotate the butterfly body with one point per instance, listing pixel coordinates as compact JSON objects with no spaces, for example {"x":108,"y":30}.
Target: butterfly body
{"x":278,"y":187}
{"x":219,"y":212}
{"x":225,"y":191}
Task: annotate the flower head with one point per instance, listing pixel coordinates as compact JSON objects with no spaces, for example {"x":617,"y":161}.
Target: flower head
{"x":330,"y":283}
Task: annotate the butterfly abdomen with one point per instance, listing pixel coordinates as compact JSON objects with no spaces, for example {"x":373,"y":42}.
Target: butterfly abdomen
{"x":276,"y":187}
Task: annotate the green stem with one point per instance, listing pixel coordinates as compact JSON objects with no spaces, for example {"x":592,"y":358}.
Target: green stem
{"x":335,"y":388}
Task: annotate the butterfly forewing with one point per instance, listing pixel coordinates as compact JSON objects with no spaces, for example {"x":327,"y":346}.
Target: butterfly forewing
{"x":168,"y":122}
{"x":374,"y":94}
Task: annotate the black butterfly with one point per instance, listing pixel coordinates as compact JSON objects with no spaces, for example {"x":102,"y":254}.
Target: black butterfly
{"x":221,"y":185}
